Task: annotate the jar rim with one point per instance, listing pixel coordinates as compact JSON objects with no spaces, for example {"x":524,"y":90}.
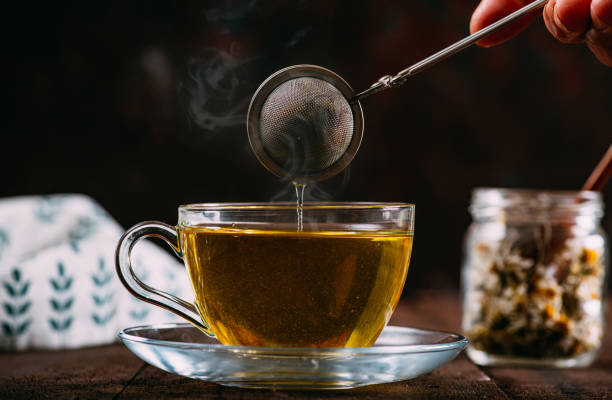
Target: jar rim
{"x":583,"y":202}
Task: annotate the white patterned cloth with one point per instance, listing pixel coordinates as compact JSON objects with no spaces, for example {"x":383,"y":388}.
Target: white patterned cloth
{"x":58,"y":285}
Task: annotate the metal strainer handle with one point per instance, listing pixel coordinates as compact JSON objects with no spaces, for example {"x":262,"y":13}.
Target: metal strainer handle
{"x":398,"y":79}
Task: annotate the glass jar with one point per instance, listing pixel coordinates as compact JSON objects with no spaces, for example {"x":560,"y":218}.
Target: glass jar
{"x":533,"y":277}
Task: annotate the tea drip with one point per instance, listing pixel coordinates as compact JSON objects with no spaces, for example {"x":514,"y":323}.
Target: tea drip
{"x":299,"y":194}
{"x":305,"y":123}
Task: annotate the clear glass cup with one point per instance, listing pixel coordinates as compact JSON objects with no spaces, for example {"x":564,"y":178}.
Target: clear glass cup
{"x":533,"y":277}
{"x":260,"y":278}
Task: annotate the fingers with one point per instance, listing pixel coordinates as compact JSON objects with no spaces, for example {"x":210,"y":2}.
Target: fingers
{"x":489,"y":11}
{"x":599,"y":37}
{"x":568,"y":20}
{"x":576,"y":21}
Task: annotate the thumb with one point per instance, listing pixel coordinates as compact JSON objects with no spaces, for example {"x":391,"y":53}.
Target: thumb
{"x":489,"y":11}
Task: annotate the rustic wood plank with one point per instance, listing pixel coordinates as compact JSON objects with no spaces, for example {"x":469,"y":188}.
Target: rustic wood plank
{"x":91,"y":373}
{"x":112,"y":371}
{"x":592,"y":383}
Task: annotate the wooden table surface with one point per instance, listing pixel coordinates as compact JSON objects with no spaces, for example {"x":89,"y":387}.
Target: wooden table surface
{"x":114,"y":372}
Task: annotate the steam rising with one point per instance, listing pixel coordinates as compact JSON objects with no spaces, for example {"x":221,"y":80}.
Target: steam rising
{"x":298,"y":36}
{"x":231,"y":15}
{"x":218,"y":85}
{"x":215,"y":87}
{"x":316,"y":191}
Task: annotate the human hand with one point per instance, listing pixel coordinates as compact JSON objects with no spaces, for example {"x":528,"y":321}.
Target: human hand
{"x":570,"y":21}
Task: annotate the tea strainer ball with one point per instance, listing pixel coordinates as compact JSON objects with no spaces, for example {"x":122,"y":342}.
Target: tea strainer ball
{"x":305,"y":123}
{"x":302,"y":125}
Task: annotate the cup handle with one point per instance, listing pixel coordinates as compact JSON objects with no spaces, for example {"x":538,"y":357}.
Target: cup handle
{"x":141,"y":290}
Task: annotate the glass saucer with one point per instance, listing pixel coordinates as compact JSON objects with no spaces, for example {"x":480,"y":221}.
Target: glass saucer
{"x":398,"y":354}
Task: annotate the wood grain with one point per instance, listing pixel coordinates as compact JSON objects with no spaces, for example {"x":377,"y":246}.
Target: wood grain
{"x":99,"y":372}
{"x":113,"y":372}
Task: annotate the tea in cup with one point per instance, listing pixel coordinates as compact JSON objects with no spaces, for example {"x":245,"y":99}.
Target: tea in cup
{"x":259,"y":280}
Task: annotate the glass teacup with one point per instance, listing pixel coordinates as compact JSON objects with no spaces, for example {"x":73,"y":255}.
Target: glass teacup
{"x":259,"y":280}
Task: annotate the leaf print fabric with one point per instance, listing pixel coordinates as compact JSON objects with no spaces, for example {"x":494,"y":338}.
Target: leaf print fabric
{"x":58,"y":286}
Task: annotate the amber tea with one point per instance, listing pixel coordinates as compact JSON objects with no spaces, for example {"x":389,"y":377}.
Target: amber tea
{"x":295,"y":289}
{"x":262,"y":274}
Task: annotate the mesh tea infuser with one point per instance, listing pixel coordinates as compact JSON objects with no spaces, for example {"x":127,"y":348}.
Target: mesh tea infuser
{"x":305,"y":122}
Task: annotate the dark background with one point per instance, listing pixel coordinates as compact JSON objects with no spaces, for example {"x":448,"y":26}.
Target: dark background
{"x":141,"y":105}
